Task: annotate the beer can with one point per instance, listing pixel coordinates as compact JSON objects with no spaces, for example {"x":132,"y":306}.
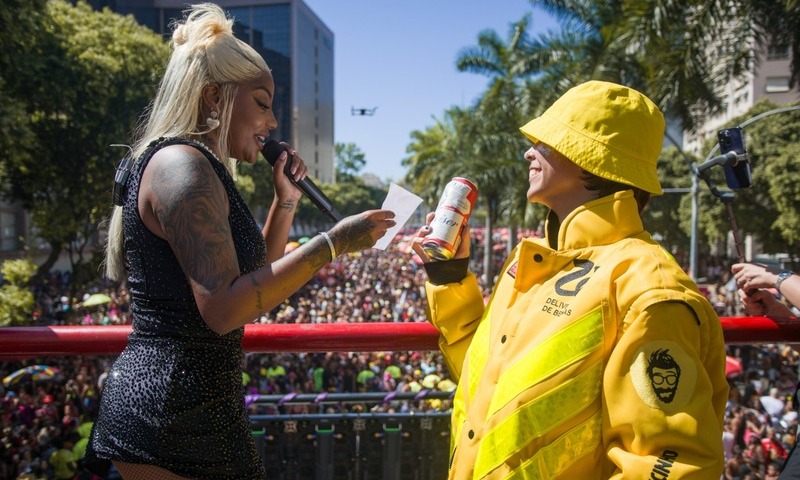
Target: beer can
{"x":453,"y":211}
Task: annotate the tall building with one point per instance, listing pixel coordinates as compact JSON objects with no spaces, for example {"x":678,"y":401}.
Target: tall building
{"x":297,"y":46}
{"x":769,"y":79}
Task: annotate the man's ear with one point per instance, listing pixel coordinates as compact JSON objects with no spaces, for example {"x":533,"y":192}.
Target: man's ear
{"x":211,"y":96}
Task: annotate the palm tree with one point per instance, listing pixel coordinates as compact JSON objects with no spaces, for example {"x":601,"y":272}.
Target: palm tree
{"x":627,"y":42}
{"x":502,"y":62}
{"x":433,"y":154}
{"x":672,"y":50}
{"x":494,"y":139}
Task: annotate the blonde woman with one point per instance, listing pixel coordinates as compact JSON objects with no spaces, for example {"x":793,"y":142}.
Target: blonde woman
{"x":197,"y":266}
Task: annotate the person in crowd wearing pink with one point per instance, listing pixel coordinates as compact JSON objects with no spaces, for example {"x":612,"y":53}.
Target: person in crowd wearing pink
{"x":198,"y":267}
{"x":754,"y":453}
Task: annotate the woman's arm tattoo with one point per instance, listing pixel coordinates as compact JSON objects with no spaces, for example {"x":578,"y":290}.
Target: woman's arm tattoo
{"x":259,"y":301}
{"x":355,"y":236}
{"x":319,"y":254}
{"x":192,"y":207}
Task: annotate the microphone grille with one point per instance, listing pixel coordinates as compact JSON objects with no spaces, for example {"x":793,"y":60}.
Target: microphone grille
{"x":271,"y":151}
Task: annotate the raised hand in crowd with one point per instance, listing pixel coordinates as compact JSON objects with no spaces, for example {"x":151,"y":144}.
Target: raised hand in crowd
{"x":754,"y":281}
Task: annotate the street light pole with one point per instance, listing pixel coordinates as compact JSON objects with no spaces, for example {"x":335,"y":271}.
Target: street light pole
{"x":695,"y":191}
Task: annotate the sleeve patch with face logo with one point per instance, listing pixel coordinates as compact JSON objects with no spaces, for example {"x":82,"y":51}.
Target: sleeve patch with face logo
{"x":664,"y":376}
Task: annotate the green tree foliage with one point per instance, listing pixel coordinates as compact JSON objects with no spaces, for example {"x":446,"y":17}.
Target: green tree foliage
{"x":491,"y":129}
{"x":616,"y":41}
{"x":18,"y":18}
{"x":86,"y":78}
{"x":349,"y":161}
{"x":774,"y":143}
{"x":589,"y":45}
{"x":663,"y":214}
{"x":491,"y":143}
{"x":430,"y":164}
{"x":16,"y":298}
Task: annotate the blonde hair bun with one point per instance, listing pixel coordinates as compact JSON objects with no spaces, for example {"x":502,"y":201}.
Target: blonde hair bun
{"x":204,"y":22}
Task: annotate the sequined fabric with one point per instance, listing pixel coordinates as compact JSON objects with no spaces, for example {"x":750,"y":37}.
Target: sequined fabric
{"x":174,"y":397}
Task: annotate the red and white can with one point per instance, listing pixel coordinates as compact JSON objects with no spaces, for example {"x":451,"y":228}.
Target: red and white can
{"x":452,"y":213}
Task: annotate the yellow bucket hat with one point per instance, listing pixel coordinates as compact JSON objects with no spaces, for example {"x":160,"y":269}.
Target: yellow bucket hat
{"x":607,"y":129}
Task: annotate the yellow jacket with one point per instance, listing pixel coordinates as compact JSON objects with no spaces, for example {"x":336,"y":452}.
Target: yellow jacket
{"x":595,"y":359}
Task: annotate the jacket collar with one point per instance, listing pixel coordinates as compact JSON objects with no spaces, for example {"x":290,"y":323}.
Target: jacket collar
{"x":599,"y":222}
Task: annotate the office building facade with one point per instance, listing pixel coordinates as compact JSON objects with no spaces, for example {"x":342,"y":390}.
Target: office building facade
{"x":768,"y":79}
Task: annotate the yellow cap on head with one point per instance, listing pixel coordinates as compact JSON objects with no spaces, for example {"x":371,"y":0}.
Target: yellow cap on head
{"x":609,"y":130}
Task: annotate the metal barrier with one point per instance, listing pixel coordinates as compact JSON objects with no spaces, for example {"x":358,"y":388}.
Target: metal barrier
{"x":343,"y":444}
{"x":354,"y":447}
{"x":26,"y":342}
{"x":350,"y":444}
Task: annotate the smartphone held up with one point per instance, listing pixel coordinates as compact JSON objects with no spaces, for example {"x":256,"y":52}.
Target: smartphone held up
{"x":738,"y":175}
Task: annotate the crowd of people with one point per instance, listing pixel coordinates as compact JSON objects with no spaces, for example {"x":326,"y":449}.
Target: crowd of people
{"x":44,"y":424}
{"x":761,"y":420}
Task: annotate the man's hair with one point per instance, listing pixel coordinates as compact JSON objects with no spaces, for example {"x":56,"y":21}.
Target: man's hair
{"x":605,"y":187}
{"x":662,"y":359}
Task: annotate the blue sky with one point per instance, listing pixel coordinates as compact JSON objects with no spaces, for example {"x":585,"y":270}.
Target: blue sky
{"x":400,"y":57}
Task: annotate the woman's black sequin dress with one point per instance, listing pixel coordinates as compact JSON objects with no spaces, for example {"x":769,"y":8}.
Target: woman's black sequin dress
{"x":174,"y":398}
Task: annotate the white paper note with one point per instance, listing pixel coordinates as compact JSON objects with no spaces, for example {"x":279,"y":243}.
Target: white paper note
{"x":402,"y":203}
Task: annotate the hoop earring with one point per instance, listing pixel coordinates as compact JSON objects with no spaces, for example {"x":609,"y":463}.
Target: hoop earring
{"x":213,"y":120}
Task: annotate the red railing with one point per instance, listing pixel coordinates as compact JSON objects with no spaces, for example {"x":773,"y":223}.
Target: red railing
{"x":26,"y":342}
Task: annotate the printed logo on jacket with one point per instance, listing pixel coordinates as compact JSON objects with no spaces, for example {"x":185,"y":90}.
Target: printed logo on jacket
{"x":664,"y":376}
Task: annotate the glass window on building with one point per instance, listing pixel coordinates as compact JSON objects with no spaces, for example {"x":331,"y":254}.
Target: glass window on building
{"x":8,"y":231}
{"x":167,"y":17}
{"x":271,"y":37}
{"x":778,"y":52}
{"x":272,"y":25}
{"x":242,"y":23}
{"x":777,"y":84}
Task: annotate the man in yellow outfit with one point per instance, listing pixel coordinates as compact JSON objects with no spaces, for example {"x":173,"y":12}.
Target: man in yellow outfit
{"x":596,"y":356}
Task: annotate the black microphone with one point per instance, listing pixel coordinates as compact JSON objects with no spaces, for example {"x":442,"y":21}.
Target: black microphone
{"x":271,"y":151}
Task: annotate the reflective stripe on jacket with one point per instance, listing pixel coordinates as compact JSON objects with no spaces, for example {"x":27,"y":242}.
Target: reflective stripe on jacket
{"x":595,"y":359}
